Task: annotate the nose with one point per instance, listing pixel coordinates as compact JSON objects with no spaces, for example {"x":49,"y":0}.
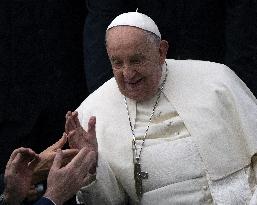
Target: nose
{"x":128,"y":73}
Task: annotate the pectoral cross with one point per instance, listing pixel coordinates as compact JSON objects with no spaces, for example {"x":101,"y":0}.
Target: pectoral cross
{"x":138,"y":176}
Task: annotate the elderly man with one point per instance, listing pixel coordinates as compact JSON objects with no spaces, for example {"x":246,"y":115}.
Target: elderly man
{"x":168,"y":131}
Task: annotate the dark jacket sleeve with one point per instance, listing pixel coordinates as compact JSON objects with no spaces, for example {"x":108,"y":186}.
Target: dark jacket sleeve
{"x":1,"y":183}
{"x":44,"y":201}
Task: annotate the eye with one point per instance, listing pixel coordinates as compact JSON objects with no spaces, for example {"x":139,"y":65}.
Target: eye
{"x":135,"y":61}
{"x":116,"y":63}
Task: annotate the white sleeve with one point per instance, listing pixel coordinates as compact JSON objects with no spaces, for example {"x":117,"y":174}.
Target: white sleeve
{"x":237,"y":188}
{"x":253,"y":200}
{"x":104,"y":190}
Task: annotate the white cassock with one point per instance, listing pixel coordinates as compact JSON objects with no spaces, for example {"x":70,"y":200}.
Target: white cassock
{"x":200,"y":147}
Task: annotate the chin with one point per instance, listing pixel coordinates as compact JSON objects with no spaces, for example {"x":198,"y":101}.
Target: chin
{"x":132,"y":96}
{"x":138,"y":96}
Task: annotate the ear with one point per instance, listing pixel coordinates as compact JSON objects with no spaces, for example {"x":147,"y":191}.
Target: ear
{"x":163,"y":49}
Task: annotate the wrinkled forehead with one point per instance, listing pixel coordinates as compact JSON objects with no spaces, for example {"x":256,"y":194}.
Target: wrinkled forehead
{"x":125,"y":34}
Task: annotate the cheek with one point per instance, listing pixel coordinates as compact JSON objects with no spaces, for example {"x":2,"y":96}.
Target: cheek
{"x":153,"y":73}
{"x":118,"y":76}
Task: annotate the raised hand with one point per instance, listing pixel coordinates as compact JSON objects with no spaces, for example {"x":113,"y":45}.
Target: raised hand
{"x":64,"y":182}
{"x":77,"y":136}
{"x":18,"y":174}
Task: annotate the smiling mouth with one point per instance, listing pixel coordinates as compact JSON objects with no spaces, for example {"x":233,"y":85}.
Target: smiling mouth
{"x":134,"y":82}
{"x":133,"y":85}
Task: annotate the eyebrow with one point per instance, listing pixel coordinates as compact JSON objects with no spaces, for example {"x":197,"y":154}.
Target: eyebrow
{"x":112,"y":58}
{"x":135,"y":56}
{"x":138,"y":55}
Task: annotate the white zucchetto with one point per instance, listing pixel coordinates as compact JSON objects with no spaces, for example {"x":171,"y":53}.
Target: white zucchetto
{"x":135,"y":19}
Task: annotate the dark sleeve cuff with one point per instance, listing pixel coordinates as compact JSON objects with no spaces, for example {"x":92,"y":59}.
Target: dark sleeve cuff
{"x":44,"y":201}
{"x":1,"y":183}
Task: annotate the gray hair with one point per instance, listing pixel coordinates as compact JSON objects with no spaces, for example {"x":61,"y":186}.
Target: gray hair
{"x":152,"y":38}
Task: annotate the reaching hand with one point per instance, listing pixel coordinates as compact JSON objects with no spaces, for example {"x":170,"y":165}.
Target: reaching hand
{"x":47,"y":156}
{"x":64,"y":182}
{"x":77,"y":136}
{"x":18,"y":174}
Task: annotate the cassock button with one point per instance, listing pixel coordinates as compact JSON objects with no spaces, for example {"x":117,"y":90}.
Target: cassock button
{"x":169,"y":123}
{"x":205,"y":188}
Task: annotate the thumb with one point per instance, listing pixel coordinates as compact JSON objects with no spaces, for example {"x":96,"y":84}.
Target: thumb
{"x":91,"y":123}
{"x":57,"y":160}
{"x":34,"y":162}
{"x":91,"y":129}
{"x":60,"y":143}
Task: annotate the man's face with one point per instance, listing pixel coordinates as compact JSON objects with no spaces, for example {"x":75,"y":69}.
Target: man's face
{"x":136,"y":62}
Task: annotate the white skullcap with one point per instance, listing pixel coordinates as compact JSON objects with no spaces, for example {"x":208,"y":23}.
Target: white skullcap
{"x":135,"y":19}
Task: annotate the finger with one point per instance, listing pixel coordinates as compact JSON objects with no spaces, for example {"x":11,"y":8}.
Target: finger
{"x":68,"y":157}
{"x":57,"y":160}
{"x":66,"y":126}
{"x":92,"y":168}
{"x":71,"y":139}
{"x":25,"y":151}
{"x":72,"y":117}
{"x":17,"y":160}
{"x":76,"y":119}
{"x":67,"y":161}
{"x":70,"y":124}
{"x":15,"y":152}
{"x":70,"y":153}
{"x":78,"y":159}
{"x":68,"y":114}
{"x":75,"y":114}
{"x":91,"y":123}
{"x":89,"y":162}
{"x":91,"y":130}
{"x":88,"y":179}
{"x":71,"y":134}
{"x":60,"y":143}
{"x":32,"y":165}
{"x":28,"y":154}
{"x":25,"y":156}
